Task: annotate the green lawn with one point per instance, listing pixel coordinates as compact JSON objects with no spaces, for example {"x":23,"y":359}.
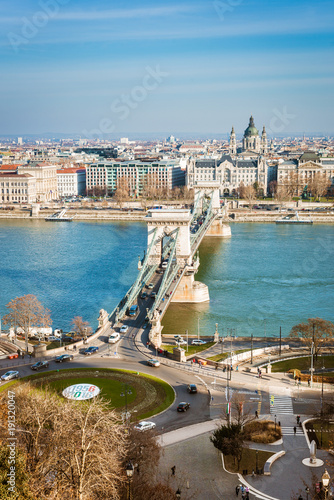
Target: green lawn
{"x":192,"y":349}
{"x":248,"y":461}
{"x":303,"y":363}
{"x":327,"y":434}
{"x":221,"y":357}
{"x":149,"y":395}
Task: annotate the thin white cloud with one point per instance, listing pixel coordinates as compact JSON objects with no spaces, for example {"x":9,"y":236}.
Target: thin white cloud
{"x":145,"y":12}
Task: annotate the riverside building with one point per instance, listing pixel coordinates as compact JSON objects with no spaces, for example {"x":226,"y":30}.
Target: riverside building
{"x":164,"y":174}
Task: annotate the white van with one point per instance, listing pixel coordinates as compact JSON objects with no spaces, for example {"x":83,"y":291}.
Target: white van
{"x":114,"y":337}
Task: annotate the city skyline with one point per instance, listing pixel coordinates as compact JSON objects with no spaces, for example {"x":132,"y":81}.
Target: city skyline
{"x":195,"y":68}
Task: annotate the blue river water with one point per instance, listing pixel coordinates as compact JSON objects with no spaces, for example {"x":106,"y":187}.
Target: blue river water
{"x":263,"y":277}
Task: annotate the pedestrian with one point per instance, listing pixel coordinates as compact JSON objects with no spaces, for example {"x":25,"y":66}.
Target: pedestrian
{"x":247,"y":494}
{"x":237,"y":368}
{"x":242,"y":489}
{"x":75,"y":347}
{"x":237,"y":489}
{"x":279,"y":423}
{"x":256,"y":414}
{"x":299,"y":381}
{"x":309,"y":382}
{"x":243,"y":495}
{"x":173,"y":470}
{"x":295,"y":430}
{"x":298,"y":419}
{"x":296,"y":378}
{"x":216,"y":366}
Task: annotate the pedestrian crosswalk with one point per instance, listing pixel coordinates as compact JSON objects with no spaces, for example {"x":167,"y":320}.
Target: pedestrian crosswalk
{"x":280,"y":405}
{"x":289,"y":431}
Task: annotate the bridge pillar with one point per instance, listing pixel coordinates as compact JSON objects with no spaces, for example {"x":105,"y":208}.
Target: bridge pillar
{"x":209,"y":188}
{"x":217,"y":228}
{"x":190,"y":290}
{"x":167,"y":221}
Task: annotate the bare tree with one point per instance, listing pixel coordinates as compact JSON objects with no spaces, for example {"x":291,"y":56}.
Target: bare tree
{"x":122,"y":191}
{"x":73,"y":451}
{"x":315,"y":331}
{"x":240,"y":413}
{"x":81,"y":327}
{"x":26,"y":313}
{"x":248,"y":193}
{"x":319,"y":185}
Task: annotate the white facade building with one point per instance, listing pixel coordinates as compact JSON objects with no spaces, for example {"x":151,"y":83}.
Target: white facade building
{"x":71,"y":181}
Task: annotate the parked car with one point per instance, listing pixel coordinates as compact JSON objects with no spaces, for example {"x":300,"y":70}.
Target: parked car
{"x":91,"y":350}
{"x":39,"y":365}
{"x":10,"y":375}
{"x":153,"y":362}
{"x":113,"y":338}
{"x":124,"y":329}
{"x":192,"y":389}
{"x":144,"y":426}
{"x":198,"y":342}
{"x":64,"y":357}
{"x":183,"y":406}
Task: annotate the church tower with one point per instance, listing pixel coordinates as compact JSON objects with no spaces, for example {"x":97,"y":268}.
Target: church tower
{"x":233,"y":143}
{"x":264,"y":142}
{"x":251,"y":140}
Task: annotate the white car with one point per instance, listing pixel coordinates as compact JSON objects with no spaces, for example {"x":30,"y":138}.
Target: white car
{"x":9,"y":375}
{"x":181,"y":342}
{"x":144,"y":426}
{"x":124,"y":329}
{"x":153,"y":362}
{"x":114,"y":337}
{"x":198,"y":342}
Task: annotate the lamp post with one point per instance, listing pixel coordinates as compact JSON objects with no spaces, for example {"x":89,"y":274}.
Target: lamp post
{"x":178,"y":493}
{"x":322,"y":401}
{"x":325,"y":482}
{"x":256,"y":455}
{"x":125,"y":393}
{"x":307,"y":489}
{"x":129,"y":472}
{"x":275,"y":422}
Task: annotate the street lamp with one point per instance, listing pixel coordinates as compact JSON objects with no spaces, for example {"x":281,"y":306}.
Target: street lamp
{"x":325,"y":481}
{"x":275,"y":422}
{"x":129,"y":472}
{"x":307,"y":489}
{"x":125,"y":393}
{"x":178,"y":493}
{"x":322,"y":401}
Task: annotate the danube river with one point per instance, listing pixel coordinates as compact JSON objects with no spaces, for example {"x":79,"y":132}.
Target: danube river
{"x":263,"y":277}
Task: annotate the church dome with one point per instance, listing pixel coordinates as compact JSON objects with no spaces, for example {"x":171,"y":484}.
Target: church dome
{"x":251,"y":130}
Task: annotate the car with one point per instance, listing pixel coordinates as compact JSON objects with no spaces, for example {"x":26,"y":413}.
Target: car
{"x":192,"y":389}
{"x":144,"y":426}
{"x":124,"y":329}
{"x":181,"y":342}
{"x":198,"y":342}
{"x":143,"y":295}
{"x":178,"y":337}
{"x":64,"y":357}
{"x":153,"y":295}
{"x":183,"y":406}
{"x":39,"y":365}
{"x":150,"y":286}
{"x":52,"y":338}
{"x":10,"y":375}
{"x":153,"y":362}
{"x":164,"y":265}
{"x":113,"y":338}
{"x":91,"y":350}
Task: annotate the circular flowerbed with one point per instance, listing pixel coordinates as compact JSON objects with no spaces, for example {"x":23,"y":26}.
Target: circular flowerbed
{"x":143,"y":395}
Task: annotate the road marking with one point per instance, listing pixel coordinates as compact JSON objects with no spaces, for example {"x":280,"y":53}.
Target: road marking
{"x":281,"y":405}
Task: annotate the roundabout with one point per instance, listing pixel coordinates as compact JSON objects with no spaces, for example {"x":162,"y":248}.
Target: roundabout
{"x":139,"y":394}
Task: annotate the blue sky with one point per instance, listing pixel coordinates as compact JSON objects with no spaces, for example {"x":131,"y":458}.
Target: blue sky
{"x":99,"y":68}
